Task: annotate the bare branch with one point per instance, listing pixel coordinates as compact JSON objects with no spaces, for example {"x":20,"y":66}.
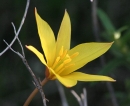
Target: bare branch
{"x":81,"y":100}
{"x":37,"y":83}
{"x":102,"y":58}
{"x":62,"y":94}
{"x":19,"y":29}
{"x":14,"y":28}
{"x":18,"y":39}
{"x":77,"y":97}
{"x":13,"y":50}
{"x":84,"y":98}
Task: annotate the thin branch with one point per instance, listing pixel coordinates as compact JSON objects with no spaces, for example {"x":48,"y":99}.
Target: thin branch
{"x":37,"y":83}
{"x":81,"y":100}
{"x":14,"y":28}
{"x":95,"y":20}
{"x":18,"y":39}
{"x":35,"y":91}
{"x":102,"y":58}
{"x":21,"y":47}
{"x":112,"y":93}
{"x":62,"y":94}
{"x":84,"y":97}
{"x":22,"y":56}
{"x":19,"y":29}
{"x":13,"y":50}
{"x":77,"y":97}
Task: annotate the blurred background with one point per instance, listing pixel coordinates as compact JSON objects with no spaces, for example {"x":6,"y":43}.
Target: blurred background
{"x":98,"y":21}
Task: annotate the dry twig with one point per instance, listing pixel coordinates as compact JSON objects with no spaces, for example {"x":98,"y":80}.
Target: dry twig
{"x":81,"y":100}
{"x":37,"y":82}
{"x":19,"y":29}
{"x":102,"y":58}
{"x":62,"y":94}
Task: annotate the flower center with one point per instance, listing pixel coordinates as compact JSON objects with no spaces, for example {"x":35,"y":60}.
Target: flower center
{"x":63,"y":61}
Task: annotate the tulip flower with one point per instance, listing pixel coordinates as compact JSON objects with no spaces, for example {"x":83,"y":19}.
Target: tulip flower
{"x":62,"y":63}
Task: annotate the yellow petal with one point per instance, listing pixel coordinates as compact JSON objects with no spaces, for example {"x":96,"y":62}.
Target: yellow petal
{"x":47,"y":38}
{"x":37,"y":53}
{"x":88,"y":77}
{"x":87,"y":52}
{"x":64,"y":34}
{"x":68,"y":82}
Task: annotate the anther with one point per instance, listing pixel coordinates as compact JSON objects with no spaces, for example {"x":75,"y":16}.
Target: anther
{"x":70,"y":65}
{"x":74,"y":55}
{"x":56,"y":61}
{"x":61,"y":51}
{"x":64,"y":54}
{"x":67,"y":61}
{"x":67,"y":56}
{"x":59,"y":67}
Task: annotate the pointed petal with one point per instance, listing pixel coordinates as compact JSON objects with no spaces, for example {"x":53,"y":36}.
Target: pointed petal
{"x":64,"y":34}
{"x":88,"y":77}
{"x":87,"y":53}
{"x":37,"y":53}
{"x":47,"y":38}
{"x":68,"y":82}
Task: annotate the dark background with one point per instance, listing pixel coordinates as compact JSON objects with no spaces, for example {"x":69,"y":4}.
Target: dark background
{"x":113,"y":18}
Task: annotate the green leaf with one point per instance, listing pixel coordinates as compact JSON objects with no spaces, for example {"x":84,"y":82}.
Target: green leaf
{"x":106,"y":21}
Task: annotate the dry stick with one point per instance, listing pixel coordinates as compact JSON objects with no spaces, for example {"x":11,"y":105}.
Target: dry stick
{"x":62,"y":94}
{"x":18,"y":39}
{"x":35,"y":91}
{"x":84,"y":97}
{"x":81,"y":100}
{"x":37,"y":83}
{"x":19,"y":29}
{"x":102,"y":59}
{"x":77,"y":97}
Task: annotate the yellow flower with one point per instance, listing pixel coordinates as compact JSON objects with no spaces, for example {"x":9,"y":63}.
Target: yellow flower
{"x":61,"y":61}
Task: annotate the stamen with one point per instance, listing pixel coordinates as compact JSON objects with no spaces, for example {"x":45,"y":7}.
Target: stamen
{"x":70,"y":65}
{"x":62,"y":62}
{"x":56,"y":61}
{"x":61,"y":70}
{"x":61,"y":51}
{"x":67,"y":56}
{"x":74,"y":55}
{"x":67,"y":61}
{"x":59,"y":67}
{"x":64,"y":54}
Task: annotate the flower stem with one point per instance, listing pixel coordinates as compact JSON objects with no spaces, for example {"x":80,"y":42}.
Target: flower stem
{"x":35,"y":91}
